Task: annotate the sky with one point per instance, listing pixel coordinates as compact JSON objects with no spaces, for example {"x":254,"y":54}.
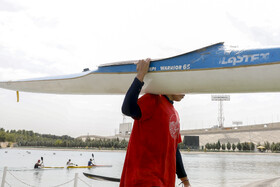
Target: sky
{"x":41,"y":38}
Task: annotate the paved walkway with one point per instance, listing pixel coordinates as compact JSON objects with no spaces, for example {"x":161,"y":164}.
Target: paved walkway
{"x":275,"y":182}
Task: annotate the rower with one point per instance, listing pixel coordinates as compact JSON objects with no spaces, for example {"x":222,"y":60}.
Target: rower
{"x":90,"y":162}
{"x":37,"y":165}
{"x":69,"y":163}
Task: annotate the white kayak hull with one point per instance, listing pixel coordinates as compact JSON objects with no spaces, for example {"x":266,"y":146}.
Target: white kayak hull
{"x":258,"y":71}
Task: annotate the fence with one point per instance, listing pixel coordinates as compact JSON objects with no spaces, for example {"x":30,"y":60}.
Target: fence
{"x":4,"y":182}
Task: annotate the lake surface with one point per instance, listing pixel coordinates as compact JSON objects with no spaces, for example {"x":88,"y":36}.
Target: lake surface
{"x":203,"y":169}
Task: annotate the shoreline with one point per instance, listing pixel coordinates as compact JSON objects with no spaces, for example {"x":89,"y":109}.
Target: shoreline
{"x":65,"y":149}
{"x":123,"y":150}
{"x":224,"y":152}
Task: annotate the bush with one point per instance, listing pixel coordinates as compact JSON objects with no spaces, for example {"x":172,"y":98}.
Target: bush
{"x":267,"y":145}
{"x":223,"y":146}
{"x":233,"y":147}
{"x":239,"y":146}
{"x":228,"y":146}
{"x":218,"y":145}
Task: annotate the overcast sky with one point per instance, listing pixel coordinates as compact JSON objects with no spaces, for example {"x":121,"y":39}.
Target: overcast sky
{"x":55,"y":37}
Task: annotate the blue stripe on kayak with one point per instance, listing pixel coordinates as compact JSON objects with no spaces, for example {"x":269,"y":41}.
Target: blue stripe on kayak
{"x":215,"y":56}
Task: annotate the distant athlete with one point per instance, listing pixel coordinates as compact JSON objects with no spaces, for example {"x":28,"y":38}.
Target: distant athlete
{"x":152,"y":157}
{"x":38,"y":164}
{"x":90,"y":162}
{"x":69,"y":163}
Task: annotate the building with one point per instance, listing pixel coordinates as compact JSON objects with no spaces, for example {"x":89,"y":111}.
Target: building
{"x":252,"y":133}
{"x":197,"y":138}
{"x":125,"y":128}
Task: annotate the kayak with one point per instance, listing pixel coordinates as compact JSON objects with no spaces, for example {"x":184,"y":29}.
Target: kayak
{"x":89,"y":166}
{"x":103,"y":178}
{"x":79,"y":166}
{"x":52,"y":167}
{"x":211,"y":69}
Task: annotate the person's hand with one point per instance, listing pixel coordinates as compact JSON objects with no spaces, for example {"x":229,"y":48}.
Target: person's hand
{"x":185,"y":182}
{"x":142,"y":68}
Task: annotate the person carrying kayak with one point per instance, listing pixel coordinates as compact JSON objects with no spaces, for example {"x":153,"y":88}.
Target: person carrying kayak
{"x":152,"y":156}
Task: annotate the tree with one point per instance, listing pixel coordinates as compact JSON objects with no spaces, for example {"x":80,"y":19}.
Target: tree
{"x":124,"y":143}
{"x":2,"y":136}
{"x":239,"y":147}
{"x":58,"y":143}
{"x":223,"y":146}
{"x":228,"y":146}
{"x":213,"y":146}
{"x":273,"y":147}
{"x":277,"y":147}
{"x":252,"y":146}
{"x":233,"y":147}
{"x":267,"y":145}
{"x":10,"y":137}
{"x":88,"y":140}
{"x":246,"y":146}
{"x":218,"y":145}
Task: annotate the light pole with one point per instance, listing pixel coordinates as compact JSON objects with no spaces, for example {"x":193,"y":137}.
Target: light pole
{"x":220,"y":98}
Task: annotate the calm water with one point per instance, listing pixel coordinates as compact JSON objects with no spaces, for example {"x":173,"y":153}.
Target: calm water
{"x":203,"y":169}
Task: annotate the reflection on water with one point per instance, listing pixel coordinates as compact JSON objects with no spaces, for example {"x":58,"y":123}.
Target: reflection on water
{"x":203,"y":169}
{"x":37,"y":175}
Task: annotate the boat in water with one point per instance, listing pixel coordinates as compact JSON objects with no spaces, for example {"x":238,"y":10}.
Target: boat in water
{"x":68,"y":167}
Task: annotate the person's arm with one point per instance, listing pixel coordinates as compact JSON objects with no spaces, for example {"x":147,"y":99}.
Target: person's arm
{"x":180,"y":170}
{"x":130,"y":106}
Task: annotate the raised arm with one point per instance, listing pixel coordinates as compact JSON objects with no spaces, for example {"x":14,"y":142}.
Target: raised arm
{"x":130,"y":106}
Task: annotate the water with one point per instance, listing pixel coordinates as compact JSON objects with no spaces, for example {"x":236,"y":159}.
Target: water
{"x":230,"y":169}
{"x":21,"y":163}
{"x":204,"y":169}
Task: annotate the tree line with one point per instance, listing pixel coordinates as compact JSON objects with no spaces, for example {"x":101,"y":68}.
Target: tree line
{"x":273,"y":147}
{"x":30,"y":138}
{"x":245,"y":146}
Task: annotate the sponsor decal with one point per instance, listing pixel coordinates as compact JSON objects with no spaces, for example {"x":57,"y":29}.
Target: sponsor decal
{"x":244,"y":58}
{"x":152,"y":68}
{"x":173,"y":67}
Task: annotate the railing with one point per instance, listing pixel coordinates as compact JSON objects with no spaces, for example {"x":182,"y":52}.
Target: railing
{"x":4,"y":182}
